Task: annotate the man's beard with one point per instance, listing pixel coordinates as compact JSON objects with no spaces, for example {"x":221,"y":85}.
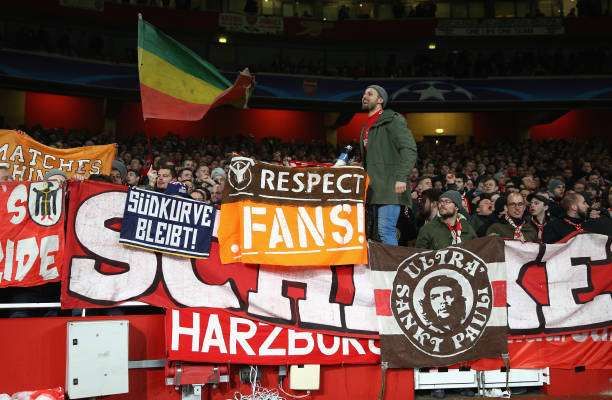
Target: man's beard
{"x":368,"y":106}
{"x":448,"y":214}
{"x":582,"y":214}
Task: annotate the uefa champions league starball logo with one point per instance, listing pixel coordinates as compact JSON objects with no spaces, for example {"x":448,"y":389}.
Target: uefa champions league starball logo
{"x":432,"y":90}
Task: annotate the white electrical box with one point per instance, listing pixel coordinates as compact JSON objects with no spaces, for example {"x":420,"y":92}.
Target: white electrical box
{"x":97,"y":358}
{"x":304,"y":377}
{"x":517,"y":377}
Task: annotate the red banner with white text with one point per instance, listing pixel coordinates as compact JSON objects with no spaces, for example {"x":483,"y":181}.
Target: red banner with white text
{"x":214,"y":336}
{"x":32,"y":234}
{"x":101,"y":272}
{"x":552,"y":289}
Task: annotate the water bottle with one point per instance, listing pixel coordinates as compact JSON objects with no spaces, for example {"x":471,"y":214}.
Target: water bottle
{"x":345,"y":156}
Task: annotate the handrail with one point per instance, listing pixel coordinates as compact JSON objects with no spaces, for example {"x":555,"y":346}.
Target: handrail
{"x":9,"y":306}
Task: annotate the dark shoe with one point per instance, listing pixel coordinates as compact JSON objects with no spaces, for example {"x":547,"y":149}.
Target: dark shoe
{"x":438,"y":393}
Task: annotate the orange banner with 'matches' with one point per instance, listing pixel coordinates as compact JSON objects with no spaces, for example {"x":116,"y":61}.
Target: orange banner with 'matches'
{"x":293,"y":216}
{"x":28,"y":160}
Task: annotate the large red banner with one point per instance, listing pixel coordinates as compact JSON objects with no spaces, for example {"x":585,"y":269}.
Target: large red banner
{"x":32,"y":233}
{"x":552,"y":295}
{"x":205,"y":335}
{"x":591,"y":350}
{"x":102,"y":272}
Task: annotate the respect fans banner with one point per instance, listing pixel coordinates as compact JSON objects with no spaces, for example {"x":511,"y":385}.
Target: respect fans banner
{"x":99,"y":272}
{"x":436,"y":308}
{"x":560,"y":287}
{"x":32,"y":234}
{"x":204,"y":335}
{"x":28,"y":160}
{"x":293,"y":216}
{"x":171,"y":224}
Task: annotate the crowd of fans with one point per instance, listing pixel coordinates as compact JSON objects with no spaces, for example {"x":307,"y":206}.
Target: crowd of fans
{"x":520,"y":189}
{"x":458,"y":64}
{"x":485,"y":175}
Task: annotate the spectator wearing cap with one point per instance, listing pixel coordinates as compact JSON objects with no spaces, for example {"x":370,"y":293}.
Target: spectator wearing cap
{"x":449,"y":228}
{"x":556,"y":188}
{"x":389,"y":153}
{"x":56,"y":175}
{"x":538,"y":210}
{"x":513,"y":225}
{"x":5,"y":174}
{"x":118,"y":172}
{"x":217,"y":174}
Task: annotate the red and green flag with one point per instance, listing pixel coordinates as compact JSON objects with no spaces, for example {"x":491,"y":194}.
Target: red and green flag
{"x":175,"y":83}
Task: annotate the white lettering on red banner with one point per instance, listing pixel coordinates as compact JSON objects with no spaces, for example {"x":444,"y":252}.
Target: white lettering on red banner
{"x":102,"y":272}
{"x":216,"y":336}
{"x":32,"y":238}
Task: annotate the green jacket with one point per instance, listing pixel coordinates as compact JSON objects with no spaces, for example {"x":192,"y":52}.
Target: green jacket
{"x":507,"y":232}
{"x":389,"y":157}
{"x":435,"y":235}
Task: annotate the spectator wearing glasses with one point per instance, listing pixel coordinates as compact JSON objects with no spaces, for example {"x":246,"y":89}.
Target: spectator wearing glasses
{"x":513,"y":225}
{"x":449,"y":228}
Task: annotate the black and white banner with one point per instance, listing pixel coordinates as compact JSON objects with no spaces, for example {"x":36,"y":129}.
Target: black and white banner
{"x":171,"y":224}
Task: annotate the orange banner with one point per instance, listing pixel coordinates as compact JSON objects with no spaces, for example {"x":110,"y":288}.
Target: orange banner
{"x":293,"y":216}
{"x":28,"y":160}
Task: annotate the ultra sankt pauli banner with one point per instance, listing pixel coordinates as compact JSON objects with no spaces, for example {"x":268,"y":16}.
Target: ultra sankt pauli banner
{"x":440,"y":307}
{"x":279,"y":215}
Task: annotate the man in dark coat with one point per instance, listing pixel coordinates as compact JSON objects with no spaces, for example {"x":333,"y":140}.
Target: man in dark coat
{"x":389,"y":153}
{"x":576,"y":219}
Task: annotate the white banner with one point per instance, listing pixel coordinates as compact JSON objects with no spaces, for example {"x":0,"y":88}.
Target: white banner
{"x":500,"y":27}
{"x":251,"y":23}
{"x":559,"y":287}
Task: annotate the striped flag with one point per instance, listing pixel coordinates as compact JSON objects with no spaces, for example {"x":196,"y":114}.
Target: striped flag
{"x":175,"y":83}
{"x":437,"y":308}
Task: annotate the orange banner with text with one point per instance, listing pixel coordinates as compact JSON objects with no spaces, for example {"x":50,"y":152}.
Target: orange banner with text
{"x":279,"y":215}
{"x":28,"y":160}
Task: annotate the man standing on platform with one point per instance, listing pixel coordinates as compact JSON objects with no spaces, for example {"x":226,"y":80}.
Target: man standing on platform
{"x":389,"y":152}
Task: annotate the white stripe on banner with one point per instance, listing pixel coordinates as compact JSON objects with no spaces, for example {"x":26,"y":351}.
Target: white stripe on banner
{"x":384,"y":279}
{"x":496,"y":271}
{"x":387,"y":325}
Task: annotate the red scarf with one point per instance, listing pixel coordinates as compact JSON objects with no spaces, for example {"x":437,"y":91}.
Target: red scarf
{"x":518,"y":234}
{"x":370,"y":121}
{"x":455,"y":231}
{"x":577,"y":227}
{"x":540,"y":227}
